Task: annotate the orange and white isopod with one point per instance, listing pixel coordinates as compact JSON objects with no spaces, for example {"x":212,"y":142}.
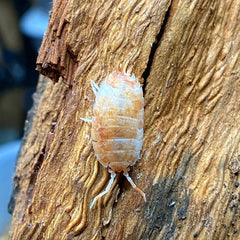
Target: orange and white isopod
{"x":117,"y":125}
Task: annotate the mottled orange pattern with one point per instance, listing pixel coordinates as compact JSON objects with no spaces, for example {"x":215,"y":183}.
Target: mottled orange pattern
{"x":117,"y":128}
{"x":117,"y":125}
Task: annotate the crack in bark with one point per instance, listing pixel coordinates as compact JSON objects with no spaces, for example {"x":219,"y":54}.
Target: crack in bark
{"x":155,"y":45}
{"x":33,"y":177}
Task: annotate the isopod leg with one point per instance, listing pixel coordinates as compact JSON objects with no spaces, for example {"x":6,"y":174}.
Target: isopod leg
{"x":113,"y":175}
{"x":125,"y":173}
{"x":95,"y":87}
{"x":86,"y":120}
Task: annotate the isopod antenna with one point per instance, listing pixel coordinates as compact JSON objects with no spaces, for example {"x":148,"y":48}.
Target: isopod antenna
{"x":113,"y":175}
{"x":125,"y":173}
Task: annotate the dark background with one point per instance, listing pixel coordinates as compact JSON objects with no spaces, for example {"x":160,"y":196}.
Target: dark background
{"x":22,"y":25}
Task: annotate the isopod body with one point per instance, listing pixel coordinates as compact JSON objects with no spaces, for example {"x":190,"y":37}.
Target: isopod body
{"x":117,"y":124}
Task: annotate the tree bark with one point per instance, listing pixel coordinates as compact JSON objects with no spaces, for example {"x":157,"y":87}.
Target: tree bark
{"x":186,"y":55}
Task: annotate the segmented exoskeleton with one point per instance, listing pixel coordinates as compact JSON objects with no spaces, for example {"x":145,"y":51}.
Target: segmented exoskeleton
{"x":117,"y":125}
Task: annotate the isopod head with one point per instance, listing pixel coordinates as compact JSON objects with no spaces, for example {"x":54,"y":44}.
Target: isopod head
{"x":122,"y":79}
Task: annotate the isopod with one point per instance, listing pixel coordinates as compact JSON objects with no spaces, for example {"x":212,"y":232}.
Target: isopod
{"x":117,"y":125}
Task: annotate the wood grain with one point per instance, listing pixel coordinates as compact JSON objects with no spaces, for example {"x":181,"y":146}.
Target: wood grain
{"x":186,"y":55}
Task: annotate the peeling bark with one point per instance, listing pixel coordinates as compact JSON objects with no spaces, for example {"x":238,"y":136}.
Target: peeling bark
{"x":186,"y":54}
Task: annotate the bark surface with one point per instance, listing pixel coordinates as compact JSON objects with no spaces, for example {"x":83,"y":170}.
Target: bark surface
{"x":186,"y":55}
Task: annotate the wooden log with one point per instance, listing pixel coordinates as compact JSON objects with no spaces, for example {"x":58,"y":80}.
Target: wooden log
{"x":186,"y":55}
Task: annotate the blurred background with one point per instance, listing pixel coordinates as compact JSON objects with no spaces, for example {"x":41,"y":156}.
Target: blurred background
{"x":22,"y":26}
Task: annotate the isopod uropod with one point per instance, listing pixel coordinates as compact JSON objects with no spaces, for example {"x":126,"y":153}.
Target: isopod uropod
{"x":117,"y":125}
